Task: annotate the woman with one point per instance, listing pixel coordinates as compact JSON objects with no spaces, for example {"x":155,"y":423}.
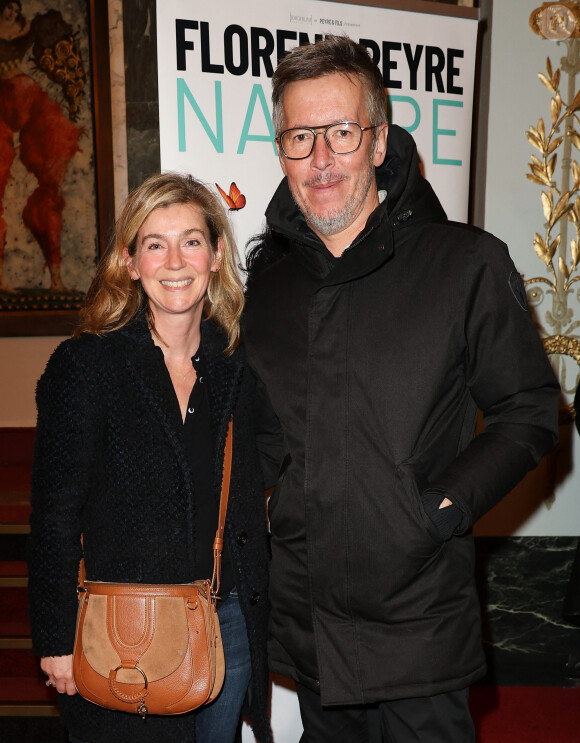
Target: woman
{"x":132,"y":419}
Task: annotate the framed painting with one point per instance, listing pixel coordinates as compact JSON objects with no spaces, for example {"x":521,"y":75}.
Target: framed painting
{"x":56,"y":197}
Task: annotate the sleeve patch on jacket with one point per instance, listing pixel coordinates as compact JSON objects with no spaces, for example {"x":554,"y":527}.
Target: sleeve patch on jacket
{"x":518,"y":289}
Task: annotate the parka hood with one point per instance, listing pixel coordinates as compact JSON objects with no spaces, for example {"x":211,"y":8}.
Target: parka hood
{"x":410,"y":197}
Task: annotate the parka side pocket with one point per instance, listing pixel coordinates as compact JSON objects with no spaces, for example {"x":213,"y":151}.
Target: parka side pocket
{"x":273,"y":500}
{"x":414,"y":483}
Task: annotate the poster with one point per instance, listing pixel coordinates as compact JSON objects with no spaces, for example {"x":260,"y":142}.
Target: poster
{"x":215,"y":65}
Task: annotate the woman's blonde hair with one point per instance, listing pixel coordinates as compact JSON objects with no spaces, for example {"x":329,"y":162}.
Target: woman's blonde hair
{"x":113,"y":298}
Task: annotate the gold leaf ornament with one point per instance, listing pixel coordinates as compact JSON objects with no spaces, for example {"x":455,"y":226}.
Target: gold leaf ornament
{"x":543,"y":178}
{"x":555,"y":108}
{"x":541,"y":129}
{"x":547,"y":82}
{"x":567,"y":211}
{"x":534,"y":139}
{"x":540,"y":248}
{"x":554,"y":144}
{"x":538,"y":181}
{"x":574,"y":137}
{"x":575,"y":253}
{"x":557,"y":205}
{"x":563,"y":268}
{"x":561,"y":208}
{"x":554,"y":246}
{"x":576,"y":103}
{"x":547,"y":204}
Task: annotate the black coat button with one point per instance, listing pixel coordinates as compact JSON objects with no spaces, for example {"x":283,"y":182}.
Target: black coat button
{"x":254,"y":598}
{"x":242,"y":538}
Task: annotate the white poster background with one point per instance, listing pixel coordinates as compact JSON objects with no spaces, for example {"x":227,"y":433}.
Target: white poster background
{"x":215,"y":115}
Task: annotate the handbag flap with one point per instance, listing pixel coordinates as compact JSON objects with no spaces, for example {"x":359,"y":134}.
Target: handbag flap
{"x":150,"y":632}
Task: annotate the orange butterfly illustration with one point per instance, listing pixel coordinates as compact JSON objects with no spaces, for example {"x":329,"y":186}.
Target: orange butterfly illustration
{"x":235,"y":200}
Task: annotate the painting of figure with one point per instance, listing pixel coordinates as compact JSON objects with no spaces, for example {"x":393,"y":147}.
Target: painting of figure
{"x":47,"y":200}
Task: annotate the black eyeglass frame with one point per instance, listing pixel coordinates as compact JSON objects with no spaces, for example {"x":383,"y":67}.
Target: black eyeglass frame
{"x":315,"y":134}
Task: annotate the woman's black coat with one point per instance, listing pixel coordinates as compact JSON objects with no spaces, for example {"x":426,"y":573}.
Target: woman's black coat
{"x":109,"y":464}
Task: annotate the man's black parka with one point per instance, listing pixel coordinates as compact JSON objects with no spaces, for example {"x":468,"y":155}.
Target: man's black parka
{"x":376,"y":364}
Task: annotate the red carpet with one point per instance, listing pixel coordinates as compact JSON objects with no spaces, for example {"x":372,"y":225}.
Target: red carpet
{"x":526,"y":714}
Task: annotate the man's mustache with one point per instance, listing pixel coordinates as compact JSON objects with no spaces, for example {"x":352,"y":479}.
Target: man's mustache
{"x":325,"y":178}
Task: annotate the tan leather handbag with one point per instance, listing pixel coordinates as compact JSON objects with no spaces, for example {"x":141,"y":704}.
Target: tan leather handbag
{"x":152,"y":649}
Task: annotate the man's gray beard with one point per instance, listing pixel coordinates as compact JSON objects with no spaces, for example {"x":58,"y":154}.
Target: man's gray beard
{"x":335,"y":222}
{"x":332,"y":223}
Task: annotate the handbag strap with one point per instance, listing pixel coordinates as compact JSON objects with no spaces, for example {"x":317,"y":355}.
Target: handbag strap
{"x":218,"y":544}
{"x":82,"y":572}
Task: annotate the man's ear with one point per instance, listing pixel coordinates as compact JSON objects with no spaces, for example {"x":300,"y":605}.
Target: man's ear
{"x":281,"y":157}
{"x":380,"y":144}
{"x":130,"y":265}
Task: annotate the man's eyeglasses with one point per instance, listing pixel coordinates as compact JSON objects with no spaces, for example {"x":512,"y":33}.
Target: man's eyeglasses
{"x":342,"y":138}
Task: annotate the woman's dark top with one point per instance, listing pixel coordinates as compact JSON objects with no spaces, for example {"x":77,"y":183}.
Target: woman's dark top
{"x":199,"y":451}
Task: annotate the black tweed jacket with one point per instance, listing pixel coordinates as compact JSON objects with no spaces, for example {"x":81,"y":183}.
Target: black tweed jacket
{"x":108,"y":464}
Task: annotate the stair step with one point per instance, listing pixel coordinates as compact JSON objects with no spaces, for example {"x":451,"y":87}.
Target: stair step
{"x":14,"y":528}
{"x":16,"y":456}
{"x":14,"y":616}
{"x":15,"y":508}
{"x":14,"y":603}
{"x":29,"y":709}
{"x":14,"y":625}
{"x":13,"y":548}
{"x":13,"y":573}
{"x":8,"y":642}
{"x":18,"y":663}
{"x":13,"y":567}
{"x":14,"y":512}
{"x":21,"y":690}
{"x":14,"y":628}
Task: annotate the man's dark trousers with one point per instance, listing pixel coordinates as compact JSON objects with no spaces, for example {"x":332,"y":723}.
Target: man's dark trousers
{"x":443,"y":718}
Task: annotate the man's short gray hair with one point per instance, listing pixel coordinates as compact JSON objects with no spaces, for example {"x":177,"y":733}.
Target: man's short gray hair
{"x":326,"y":57}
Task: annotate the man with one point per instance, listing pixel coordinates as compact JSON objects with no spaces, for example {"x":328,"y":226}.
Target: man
{"x":377,"y":336}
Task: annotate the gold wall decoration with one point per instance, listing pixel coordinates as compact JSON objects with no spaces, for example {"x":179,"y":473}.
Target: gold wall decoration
{"x":556,"y":20}
{"x":554,"y":168}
